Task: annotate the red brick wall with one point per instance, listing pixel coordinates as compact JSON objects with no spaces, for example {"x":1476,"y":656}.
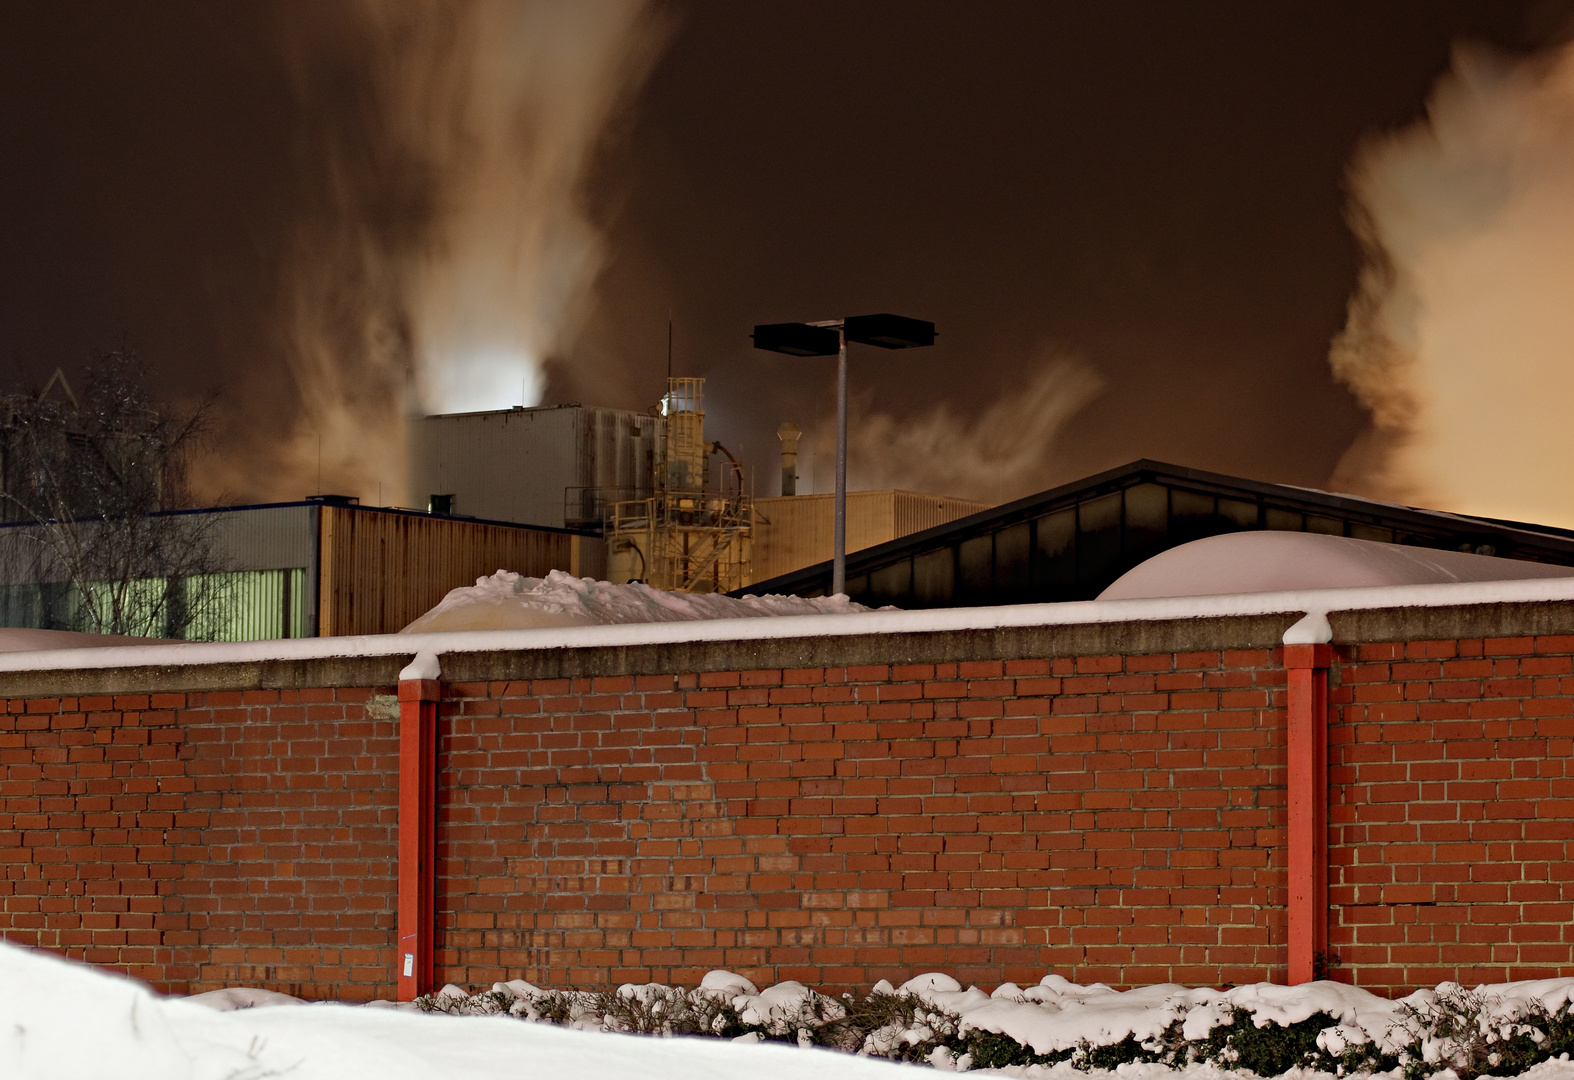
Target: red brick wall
{"x":1112,"y":819}
{"x":1108,"y":818}
{"x":197,"y":840}
{"x":1451,"y":806}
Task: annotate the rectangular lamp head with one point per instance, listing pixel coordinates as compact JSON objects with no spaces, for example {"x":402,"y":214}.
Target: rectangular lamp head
{"x":889,"y":331}
{"x":797,"y":339}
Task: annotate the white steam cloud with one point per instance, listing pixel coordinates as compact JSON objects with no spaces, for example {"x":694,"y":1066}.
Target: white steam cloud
{"x":510,"y":117}
{"x":451,"y":250}
{"x":1460,"y":337}
{"x":1000,"y":454}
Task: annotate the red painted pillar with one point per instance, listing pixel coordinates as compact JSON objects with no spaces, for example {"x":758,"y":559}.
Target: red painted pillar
{"x":417,"y":826}
{"x":1307,"y":668}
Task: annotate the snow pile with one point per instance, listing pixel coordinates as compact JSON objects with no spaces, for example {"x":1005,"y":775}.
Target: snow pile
{"x":1059,"y":1026}
{"x":65,"y":1021}
{"x":1059,"y":1015}
{"x":509,"y":601}
{"x":1265,"y":562}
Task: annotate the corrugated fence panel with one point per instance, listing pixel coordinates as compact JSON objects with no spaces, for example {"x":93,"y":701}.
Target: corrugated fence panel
{"x":381,"y":570}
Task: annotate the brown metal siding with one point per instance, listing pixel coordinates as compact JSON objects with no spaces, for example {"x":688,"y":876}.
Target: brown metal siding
{"x":381,"y":570}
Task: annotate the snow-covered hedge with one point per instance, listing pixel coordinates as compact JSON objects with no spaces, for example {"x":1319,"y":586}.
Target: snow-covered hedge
{"x":1497,"y":1030}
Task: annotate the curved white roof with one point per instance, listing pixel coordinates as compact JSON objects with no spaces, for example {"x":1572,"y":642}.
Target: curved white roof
{"x":1253,"y":562}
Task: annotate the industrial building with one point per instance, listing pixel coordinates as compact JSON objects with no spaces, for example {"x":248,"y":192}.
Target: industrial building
{"x":556,"y":466}
{"x":1071,"y":542}
{"x":598,"y":492}
{"x":316,"y":568}
{"x":644,"y":480}
{"x":690,"y":532}
{"x":647,"y":483}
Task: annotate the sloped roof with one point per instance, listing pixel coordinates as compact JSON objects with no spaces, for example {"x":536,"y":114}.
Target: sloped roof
{"x":1071,"y":542}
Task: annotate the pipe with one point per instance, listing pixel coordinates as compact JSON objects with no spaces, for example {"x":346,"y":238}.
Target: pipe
{"x":1306,"y":661}
{"x":839,"y":537}
{"x":789,"y":433}
{"x":419,"y":692}
{"x":737,"y":466}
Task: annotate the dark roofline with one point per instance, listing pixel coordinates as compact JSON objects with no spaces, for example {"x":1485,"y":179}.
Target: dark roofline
{"x":351,"y":506}
{"x":516,"y":410}
{"x":1032,"y":506}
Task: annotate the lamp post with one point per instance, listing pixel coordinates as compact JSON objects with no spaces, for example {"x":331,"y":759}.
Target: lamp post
{"x":830,"y":338}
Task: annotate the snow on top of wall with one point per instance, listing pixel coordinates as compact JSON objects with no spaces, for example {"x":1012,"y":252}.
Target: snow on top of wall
{"x":424,"y":667}
{"x":1250,"y":562}
{"x":510,"y":601}
{"x":805,"y":626}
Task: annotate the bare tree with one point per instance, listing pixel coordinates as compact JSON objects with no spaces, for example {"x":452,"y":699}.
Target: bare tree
{"x":93,"y":485}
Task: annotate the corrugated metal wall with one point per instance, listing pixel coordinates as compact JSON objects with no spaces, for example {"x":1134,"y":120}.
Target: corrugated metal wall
{"x":265,"y":537}
{"x":797,"y":530}
{"x":382,"y":569}
{"x":278,"y":546}
{"x":264,"y":584}
{"x":251,"y":605}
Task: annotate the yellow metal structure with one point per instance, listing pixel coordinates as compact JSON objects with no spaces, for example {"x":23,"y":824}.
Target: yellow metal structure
{"x":689,"y":536}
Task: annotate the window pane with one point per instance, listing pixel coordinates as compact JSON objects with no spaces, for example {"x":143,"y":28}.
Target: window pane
{"x":1147,"y":519}
{"x":1242,"y":515}
{"x":1285,"y":520}
{"x":976,"y":557}
{"x":1099,"y":558}
{"x":1371,"y":532}
{"x":1055,"y":558}
{"x":934,"y":578}
{"x":891,"y":584}
{"x":1012,"y":580}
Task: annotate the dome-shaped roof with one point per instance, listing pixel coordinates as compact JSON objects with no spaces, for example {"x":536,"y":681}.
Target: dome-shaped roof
{"x":1249,"y":562}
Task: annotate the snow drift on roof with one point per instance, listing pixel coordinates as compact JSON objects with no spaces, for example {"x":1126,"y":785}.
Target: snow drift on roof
{"x":508,"y":601}
{"x":1253,"y":562}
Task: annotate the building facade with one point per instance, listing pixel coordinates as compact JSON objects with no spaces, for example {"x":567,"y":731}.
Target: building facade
{"x":307,"y":569}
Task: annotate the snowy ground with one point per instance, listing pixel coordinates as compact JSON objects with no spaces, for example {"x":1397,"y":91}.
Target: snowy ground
{"x":64,"y":1020}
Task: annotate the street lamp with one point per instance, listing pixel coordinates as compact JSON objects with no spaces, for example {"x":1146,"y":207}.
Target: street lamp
{"x":830,"y":338}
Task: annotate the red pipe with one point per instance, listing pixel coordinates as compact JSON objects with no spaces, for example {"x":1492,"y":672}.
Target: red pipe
{"x":1307,"y":668}
{"x":417,"y":833}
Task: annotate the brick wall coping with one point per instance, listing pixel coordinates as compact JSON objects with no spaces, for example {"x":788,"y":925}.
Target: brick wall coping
{"x":391,"y":648}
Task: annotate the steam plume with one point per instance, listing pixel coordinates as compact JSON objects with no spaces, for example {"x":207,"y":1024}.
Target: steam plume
{"x":1002,"y":453}
{"x":450,"y":251}
{"x":1460,"y":336}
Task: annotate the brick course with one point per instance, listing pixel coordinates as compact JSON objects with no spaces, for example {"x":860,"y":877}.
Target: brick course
{"x":1110,"y":817}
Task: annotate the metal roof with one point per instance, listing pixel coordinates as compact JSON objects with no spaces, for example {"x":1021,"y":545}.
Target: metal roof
{"x":1070,"y":542}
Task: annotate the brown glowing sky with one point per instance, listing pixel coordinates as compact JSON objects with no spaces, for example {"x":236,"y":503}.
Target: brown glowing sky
{"x":1155,"y":188}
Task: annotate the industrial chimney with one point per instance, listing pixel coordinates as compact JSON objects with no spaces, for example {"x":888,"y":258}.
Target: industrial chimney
{"x":789,"y":433}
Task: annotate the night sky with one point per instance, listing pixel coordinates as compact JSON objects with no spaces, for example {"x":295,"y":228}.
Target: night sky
{"x":1154,"y":188}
